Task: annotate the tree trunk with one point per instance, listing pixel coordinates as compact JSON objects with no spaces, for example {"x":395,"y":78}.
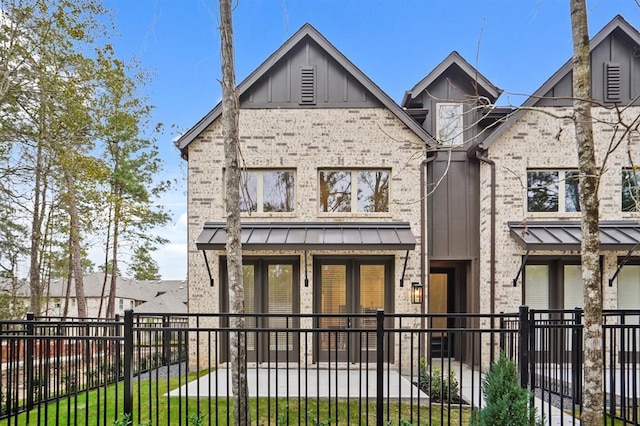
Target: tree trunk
{"x":590,"y":249}
{"x":111,"y":304}
{"x":35,"y":305}
{"x":234,"y":249}
{"x":76,"y":257}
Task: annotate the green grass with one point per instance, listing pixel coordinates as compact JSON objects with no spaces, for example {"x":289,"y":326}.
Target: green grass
{"x":155,"y":408}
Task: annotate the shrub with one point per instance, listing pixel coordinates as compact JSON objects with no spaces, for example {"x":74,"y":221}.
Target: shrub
{"x":506,"y":403}
{"x":441,"y":386}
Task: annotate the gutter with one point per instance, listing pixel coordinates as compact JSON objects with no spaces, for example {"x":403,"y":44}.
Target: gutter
{"x":423,"y":229}
{"x":492,"y":164}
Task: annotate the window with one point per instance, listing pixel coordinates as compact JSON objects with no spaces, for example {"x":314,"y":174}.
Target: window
{"x":368,"y":193}
{"x":629,"y":290}
{"x":267,"y":191}
{"x":120,"y":304}
{"x":552,"y":191}
{"x":630,"y":190}
{"x":271,"y":286}
{"x":131,"y":304}
{"x":450,"y":124}
{"x":553,"y":284}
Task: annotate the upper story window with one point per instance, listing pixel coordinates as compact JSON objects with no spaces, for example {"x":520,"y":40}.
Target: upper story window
{"x":552,"y":191}
{"x":630,"y":190}
{"x":354,"y":191}
{"x":267,"y":191}
{"x":450,"y":124}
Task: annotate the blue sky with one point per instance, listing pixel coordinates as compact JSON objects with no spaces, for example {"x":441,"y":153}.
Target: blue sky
{"x":516,"y":44}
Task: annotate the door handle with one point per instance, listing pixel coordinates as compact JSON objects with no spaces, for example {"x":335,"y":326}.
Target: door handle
{"x":349,"y":323}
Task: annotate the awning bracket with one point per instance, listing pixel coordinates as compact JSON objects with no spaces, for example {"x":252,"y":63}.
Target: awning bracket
{"x":306,"y":277}
{"x":404,"y":269}
{"x":524,"y":262}
{"x":621,"y":264}
{"x":206,"y":263}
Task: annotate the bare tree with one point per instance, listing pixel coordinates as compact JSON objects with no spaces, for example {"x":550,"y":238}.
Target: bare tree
{"x":589,"y":203}
{"x":230,"y":113}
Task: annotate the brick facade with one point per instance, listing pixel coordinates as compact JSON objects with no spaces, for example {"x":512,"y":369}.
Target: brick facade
{"x":306,"y":140}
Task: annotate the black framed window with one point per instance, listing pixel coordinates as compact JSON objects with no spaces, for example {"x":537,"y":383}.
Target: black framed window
{"x":630,"y":190}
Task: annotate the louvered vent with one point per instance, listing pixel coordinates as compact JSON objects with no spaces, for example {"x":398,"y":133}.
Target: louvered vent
{"x":612,"y":83}
{"x":308,"y":85}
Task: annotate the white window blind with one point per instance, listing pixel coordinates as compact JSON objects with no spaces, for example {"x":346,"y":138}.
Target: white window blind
{"x":573,"y":287}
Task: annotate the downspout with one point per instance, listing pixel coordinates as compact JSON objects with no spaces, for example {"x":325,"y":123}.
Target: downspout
{"x":491,"y":163}
{"x":423,"y":230}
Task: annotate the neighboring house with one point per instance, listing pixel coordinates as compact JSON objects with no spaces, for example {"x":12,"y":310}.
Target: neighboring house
{"x":142,"y":296}
{"x":336,"y":174}
{"x":537,"y":235}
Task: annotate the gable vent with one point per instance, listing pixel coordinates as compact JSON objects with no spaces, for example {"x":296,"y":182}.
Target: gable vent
{"x":612,"y":83}
{"x":308,"y":85}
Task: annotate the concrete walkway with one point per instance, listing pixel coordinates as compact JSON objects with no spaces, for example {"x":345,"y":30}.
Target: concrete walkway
{"x":343,"y":383}
{"x":311,"y":383}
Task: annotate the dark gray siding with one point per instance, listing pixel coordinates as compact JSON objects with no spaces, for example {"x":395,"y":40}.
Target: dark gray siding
{"x":453,"y":207}
{"x":618,"y":50}
{"x":281,"y":86}
{"x":452,"y":86}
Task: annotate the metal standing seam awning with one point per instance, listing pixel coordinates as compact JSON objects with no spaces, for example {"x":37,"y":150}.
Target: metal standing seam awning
{"x":312,"y":236}
{"x":615,"y":235}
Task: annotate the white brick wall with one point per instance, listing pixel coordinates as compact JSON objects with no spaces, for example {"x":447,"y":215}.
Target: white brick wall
{"x":306,"y":140}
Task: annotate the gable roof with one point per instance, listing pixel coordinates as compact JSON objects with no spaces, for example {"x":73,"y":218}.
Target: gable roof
{"x":454,"y":58}
{"x":307,"y":30}
{"x":617,"y":23}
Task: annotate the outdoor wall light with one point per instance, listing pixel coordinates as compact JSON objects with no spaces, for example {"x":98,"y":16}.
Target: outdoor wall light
{"x":417,"y":293}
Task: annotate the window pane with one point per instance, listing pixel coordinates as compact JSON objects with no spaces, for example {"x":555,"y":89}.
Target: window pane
{"x":279,"y":195}
{"x":333,"y":300}
{"x":629,"y":291}
{"x":248,"y":191}
{"x":630,"y":191}
{"x":280,"y":301}
{"x":571,"y":194}
{"x":542,"y":192}
{"x":573,"y":287}
{"x":248,"y":280}
{"x":373,"y":191}
{"x":335,"y":191}
{"x":536,"y":286}
{"x":450,"y":124}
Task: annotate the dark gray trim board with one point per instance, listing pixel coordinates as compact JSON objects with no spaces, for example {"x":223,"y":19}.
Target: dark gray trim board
{"x":566,"y":235}
{"x":312,"y":236}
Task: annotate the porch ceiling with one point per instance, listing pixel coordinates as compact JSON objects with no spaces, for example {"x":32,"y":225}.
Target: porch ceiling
{"x":312,"y":236}
{"x":566,"y":235}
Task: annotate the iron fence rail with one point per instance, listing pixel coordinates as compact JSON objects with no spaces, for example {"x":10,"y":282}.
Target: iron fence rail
{"x":368,"y":368}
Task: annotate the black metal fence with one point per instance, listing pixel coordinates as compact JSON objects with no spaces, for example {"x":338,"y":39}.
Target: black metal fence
{"x":305,"y":369}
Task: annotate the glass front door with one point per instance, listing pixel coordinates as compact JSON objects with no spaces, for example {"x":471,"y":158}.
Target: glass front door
{"x":347,"y":288}
{"x":270,"y":287}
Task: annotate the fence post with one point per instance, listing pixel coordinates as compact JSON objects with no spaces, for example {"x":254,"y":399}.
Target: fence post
{"x":166,"y":341}
{"x":29,"y":359}
{"x":576,"y":357}
{"x":523,"y":345}
{"x":379,"y":367}
{"x":128,"y":363}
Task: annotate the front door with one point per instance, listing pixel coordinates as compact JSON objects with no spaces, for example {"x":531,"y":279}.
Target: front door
{"x":271,"y":287}
{"x":347,"y":288}
{"x":441,"y":301}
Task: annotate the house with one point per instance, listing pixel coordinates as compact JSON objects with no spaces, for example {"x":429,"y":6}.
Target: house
{"x":536,"y":211}
{"x":331,"y":207}
{"x":349,"y":199}
{"x":144,"y":296}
